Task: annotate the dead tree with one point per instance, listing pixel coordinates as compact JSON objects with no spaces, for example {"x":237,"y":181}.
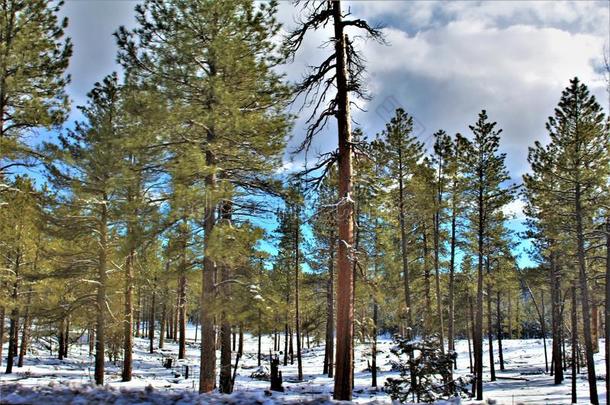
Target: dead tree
{"x":342,"y":70}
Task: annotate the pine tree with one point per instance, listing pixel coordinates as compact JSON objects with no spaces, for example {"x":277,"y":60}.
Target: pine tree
{"x":227,"y":98}
{"x":401,"y":153}
{"x":571,"y":173}
{"x":84,"y":165}
{"x":486,"y":178}
{"x":342,"y":70}
{"x":324,"y":228}
{"x":441,"y":159}
{"x":20,"y":225}
{"x":33,"y":62}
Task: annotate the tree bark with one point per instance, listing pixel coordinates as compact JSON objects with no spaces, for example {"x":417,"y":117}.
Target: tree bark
{"x":451,"y":320}
{"x":162,"y":322}
{"x":427,"y":297}
{"x":574,"y":344}
{"x":151,"y":322}
{"x":240,"y":342}
{"x":345,"y":283}
{"x":329,"y":350}
{"x":286,"y":343}
{"x":474,"y":348}
{"x":2,"y":316}
{"x":585,"y":299}
{"x":207,"y":375}
{"x":607,"y":311}
{"x":595,"y":328}
{"x":556,"y":320}
{"x":492,"y":367}
{"x":297,"y":319}
{"x":469,"y":333}
{"x":510,"y":315}
{"x":61,"y":339}
{"x":404,"y":244}
{"x":138,"y":312}
{"x":67,"y":336}
{"x":128,"y":316}
{"x":182,"y":306}
{"x":437,"y":270}
{"x":291,"y":346}
{"x":374,"y":346}
{"x":176,"y":319}
{"x":225,"y":385}
{"x":478,"y":328}
{"x":100,"y":333}
{"x":499,"y":328}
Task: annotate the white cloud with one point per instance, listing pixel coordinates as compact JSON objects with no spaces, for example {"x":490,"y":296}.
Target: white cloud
{"x":515,"y":210}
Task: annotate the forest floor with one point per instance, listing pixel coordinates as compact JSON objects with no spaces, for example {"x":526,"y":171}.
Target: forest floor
{"x":44,"y":379}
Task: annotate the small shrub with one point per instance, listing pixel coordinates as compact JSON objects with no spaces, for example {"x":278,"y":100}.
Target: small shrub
{"x":425,"y":372}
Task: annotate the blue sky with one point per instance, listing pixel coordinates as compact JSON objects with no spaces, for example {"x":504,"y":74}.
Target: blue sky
{"x":444,"y":62}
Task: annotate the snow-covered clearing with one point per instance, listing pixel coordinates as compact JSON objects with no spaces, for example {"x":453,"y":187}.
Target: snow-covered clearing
{"x":68,"y":381}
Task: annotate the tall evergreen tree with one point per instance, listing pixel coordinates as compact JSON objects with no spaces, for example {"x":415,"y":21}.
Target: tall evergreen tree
{"x":34,"y":57}
{"x":84,"y":166}
{"x":486,"y":178}
{"x":401,"y":153}
{"x":218,"y":74}
{"x":571,"y":173}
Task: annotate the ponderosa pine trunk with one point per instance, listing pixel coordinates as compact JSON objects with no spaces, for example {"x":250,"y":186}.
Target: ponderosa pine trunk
{"x":499,"y":329}
{"x":427,"y":285}
{"x":259,"y":353}
{"x":67,"y":336}
{"x":595,"y":327}
{"x":225,"y":346}
{"x":329,"y":349}
{"x":13,"y":340}
{"x":138,"y":311}
{"x":100,"y":326}
{"x":574,"y":345}
{"x":240,"y":342}
{"x":607,"y":311}
{"x":13,"y":333}
{"x":176,"y":319}
{"x":297,"y":314}
{"x":492,"y":367}
{"x":225,"y":385}
{"x":151,"y":321}
{"x":2,"y":315}
{"x":182,"y":306}
{"x":128,"y":316}
{"x":404,"y":245}
{"x":584,"y":294}
{"x":478,"y":327}
{"x":451,"y":320}
{"x":291,"y":346}
{"x":345,"y":283}
{"x":374,"y":346}
{"x":25,"y":333}
{"x":510,"y":315}
{"x":470,"y":333}
{"x":556,"y":320}
{"x":163,"y":321}
{"x":437,"y":270}
{"x":207,"y":375}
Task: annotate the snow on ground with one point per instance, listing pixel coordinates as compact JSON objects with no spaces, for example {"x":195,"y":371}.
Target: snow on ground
{"x":69,"y":381}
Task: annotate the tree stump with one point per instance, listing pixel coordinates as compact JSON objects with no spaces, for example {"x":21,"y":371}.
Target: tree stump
{"x":276,"y":375}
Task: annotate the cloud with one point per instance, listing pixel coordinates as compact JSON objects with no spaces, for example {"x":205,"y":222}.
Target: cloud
{"x":91,"y":25}
{"x":446,"y":61}
{"x":514,"y":210}
{"x":445,"y":75}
